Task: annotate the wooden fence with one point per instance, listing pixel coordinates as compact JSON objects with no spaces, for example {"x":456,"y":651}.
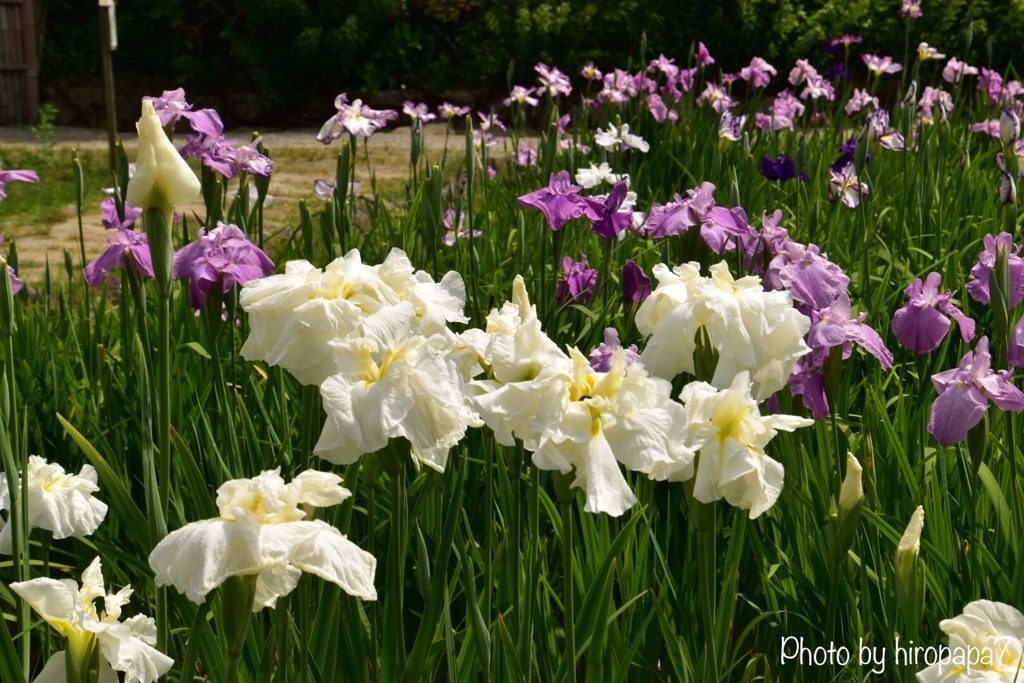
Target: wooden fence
{"x":19,"y":62}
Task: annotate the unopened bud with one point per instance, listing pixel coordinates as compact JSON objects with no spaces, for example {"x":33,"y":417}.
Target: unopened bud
{"x":908,"y":550}
{"x":1009,"y":126}
{"x":851,"y":493}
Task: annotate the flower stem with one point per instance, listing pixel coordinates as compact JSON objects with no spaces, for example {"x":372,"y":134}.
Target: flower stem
{"x":567,"y":499}
{"x":396,"y":559}
{"x":705,"y":523}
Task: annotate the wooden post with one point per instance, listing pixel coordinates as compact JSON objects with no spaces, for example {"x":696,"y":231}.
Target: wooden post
{"x":108,"y":45}
{"x":28,"y":22}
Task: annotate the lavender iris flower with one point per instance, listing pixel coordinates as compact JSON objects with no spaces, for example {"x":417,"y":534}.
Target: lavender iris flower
{"x":170,"y":106}
{"x":223,"y":255}
{"x":127,"y":249}
{"x":813,"y":281}
{"x":922,"y":322}
{"x":834,"y":327}
{"x":808,"y":383}
{"x":559,"y":201}
{"x":877,"y":125}
{"x":577,"y":281}
{"x":977,"y":287}
{"x":1015,"y":352}
{"x":678,"y":216}
{"x":964,"y":393}
{"x":723,"y":227}
{"x":110,"y":218}
{"x":601,"y":355}
{"x":22,"y":175}
{"x":636,"y":286}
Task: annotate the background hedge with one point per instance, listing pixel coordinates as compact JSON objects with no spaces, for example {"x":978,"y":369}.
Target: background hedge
{"x":282,"y":61}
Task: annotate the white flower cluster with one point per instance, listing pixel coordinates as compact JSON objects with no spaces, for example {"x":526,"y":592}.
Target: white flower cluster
{"x":375,"y":339}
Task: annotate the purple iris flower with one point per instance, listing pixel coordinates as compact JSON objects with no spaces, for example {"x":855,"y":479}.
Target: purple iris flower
{"x":448,"y":111}
{"x":837,"y":71}
{"x":1015,"y":352}
{"x":210,"y":145}
{"x":419,"y":113}
{"x":110,"y":218}
{"x":251,"y":161}
{"x":877,"y":125}
{"x":808,"y":383}
{"x":702,"y":57}
{"x":811,"y":279}
{"x":846,"y":151}
{"x":222,"y":255}
{"x":911,"y":9}
{"x":450,"y":231}
{"x":780,"y":168}
{"x":559,"y":201}
{"x":977,"y":287}
{"x":758,"y":73}
{"x":834,"y":327}
{"x":680,"y":215}
{"x":16,"y":282}
{"x":23,"y":175}
{"x":722,"y":225}
{"x":127,"y":249}
{"x":636,"y":286}
{"x":601,"y":355}
{"x":922,"y":322}
{"x":170,"y":106}
{"x":577,"y":281}
{"x":605,"y":218}
{"x":552,"y":80}
{"x":964,"y":393}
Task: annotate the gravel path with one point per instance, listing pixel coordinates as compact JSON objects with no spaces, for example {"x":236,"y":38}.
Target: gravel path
{"x":301,"y":160}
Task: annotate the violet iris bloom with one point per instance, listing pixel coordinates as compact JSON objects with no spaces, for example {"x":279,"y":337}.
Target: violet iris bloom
{"x":977,"y":287}
{"x":170,"y":106}
{"x":577,"y":282}
{"x":808,"y":383}
{"x":250,"y":160}
{"x":636,"y":286}
{"x":846,"y":186}
{"x":758,"y":74}
{"x":450,"y":231}
{"x":601,"y":355}
{"x":559,"y":201}
{"x":1015,"y":352}
{"x":834,"y":327}
{"x":811,"y":279}
{"x":222,"y":255}
{"x":922,"y":322}
{"x":210,"y":145}
{"x":877,"y":125}
{"x":126,"y":249}
{"x":22,"y":175}
{"x":552,"y":80}
{"x":680,"y":215}
{"x":605,"y":218}
{"x":964,"y":393}
{"x":448,"y":111}
{"x":881,"y":65}
{"x":702,"y":57}
{"x":419,"y":113}
{"x":110,"y":218}
{"x":723,"y":227}
{"x":16,"y":282}
{"x":911,"y":9}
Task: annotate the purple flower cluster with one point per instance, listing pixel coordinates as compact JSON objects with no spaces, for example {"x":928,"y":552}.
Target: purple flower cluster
{"x":221,"y":257}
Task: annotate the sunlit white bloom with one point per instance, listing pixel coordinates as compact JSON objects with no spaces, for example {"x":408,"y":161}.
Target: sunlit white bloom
{"x":61,"y":503}
{"x":294,"y":316}
{"x":986,"y":643}
{"x":391,"y":383}
{"x":616,"y":417}
{"x":730,"y":433}
{"x":595,"y":175}
{"x":752,"y":330}
{"x":262,"y":530}
{"x":162,"y":179}
{"x":126,"y":646}
{"x":615,"y":137}
{"x":527,"y":374}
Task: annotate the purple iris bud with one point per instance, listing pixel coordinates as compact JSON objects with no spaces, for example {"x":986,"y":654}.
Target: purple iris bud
{"x":964,"y":393}
{"x":224,"y":255}
{"x":780,"y":168}
{"x":577,"y":282}
{"x":977,"y":287}
{"x":559,"y":201}
{"x":126,"y":249}
{"x":605,"y":218}
{"x":601,"y":355}
{"x":110,"y":218}
{"x":834,"y":327}
{"x":636,"y":286}
{"x":922,"y":322}
{"x":17,"y":174}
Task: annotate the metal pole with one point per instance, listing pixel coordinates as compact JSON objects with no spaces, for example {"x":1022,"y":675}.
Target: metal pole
{"x":106,"y":49}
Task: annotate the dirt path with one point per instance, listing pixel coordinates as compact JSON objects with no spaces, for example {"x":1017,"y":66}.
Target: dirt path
{"x":299,"y":161}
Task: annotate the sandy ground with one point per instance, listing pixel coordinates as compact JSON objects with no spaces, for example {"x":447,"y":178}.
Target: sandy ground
{"x":300,"y":160}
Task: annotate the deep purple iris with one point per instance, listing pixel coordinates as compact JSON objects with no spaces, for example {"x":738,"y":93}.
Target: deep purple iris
{"x":577,"y":282}
{"x":127,"y":249}
{"x":780,"y":168}
{"x":605,"y":218}
{"x":636,"y":286}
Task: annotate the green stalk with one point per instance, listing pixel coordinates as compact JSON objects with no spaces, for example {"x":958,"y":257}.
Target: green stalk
{"x":394,"y":464}
{"x":705,"y":523}
{"x":567,"y":499}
